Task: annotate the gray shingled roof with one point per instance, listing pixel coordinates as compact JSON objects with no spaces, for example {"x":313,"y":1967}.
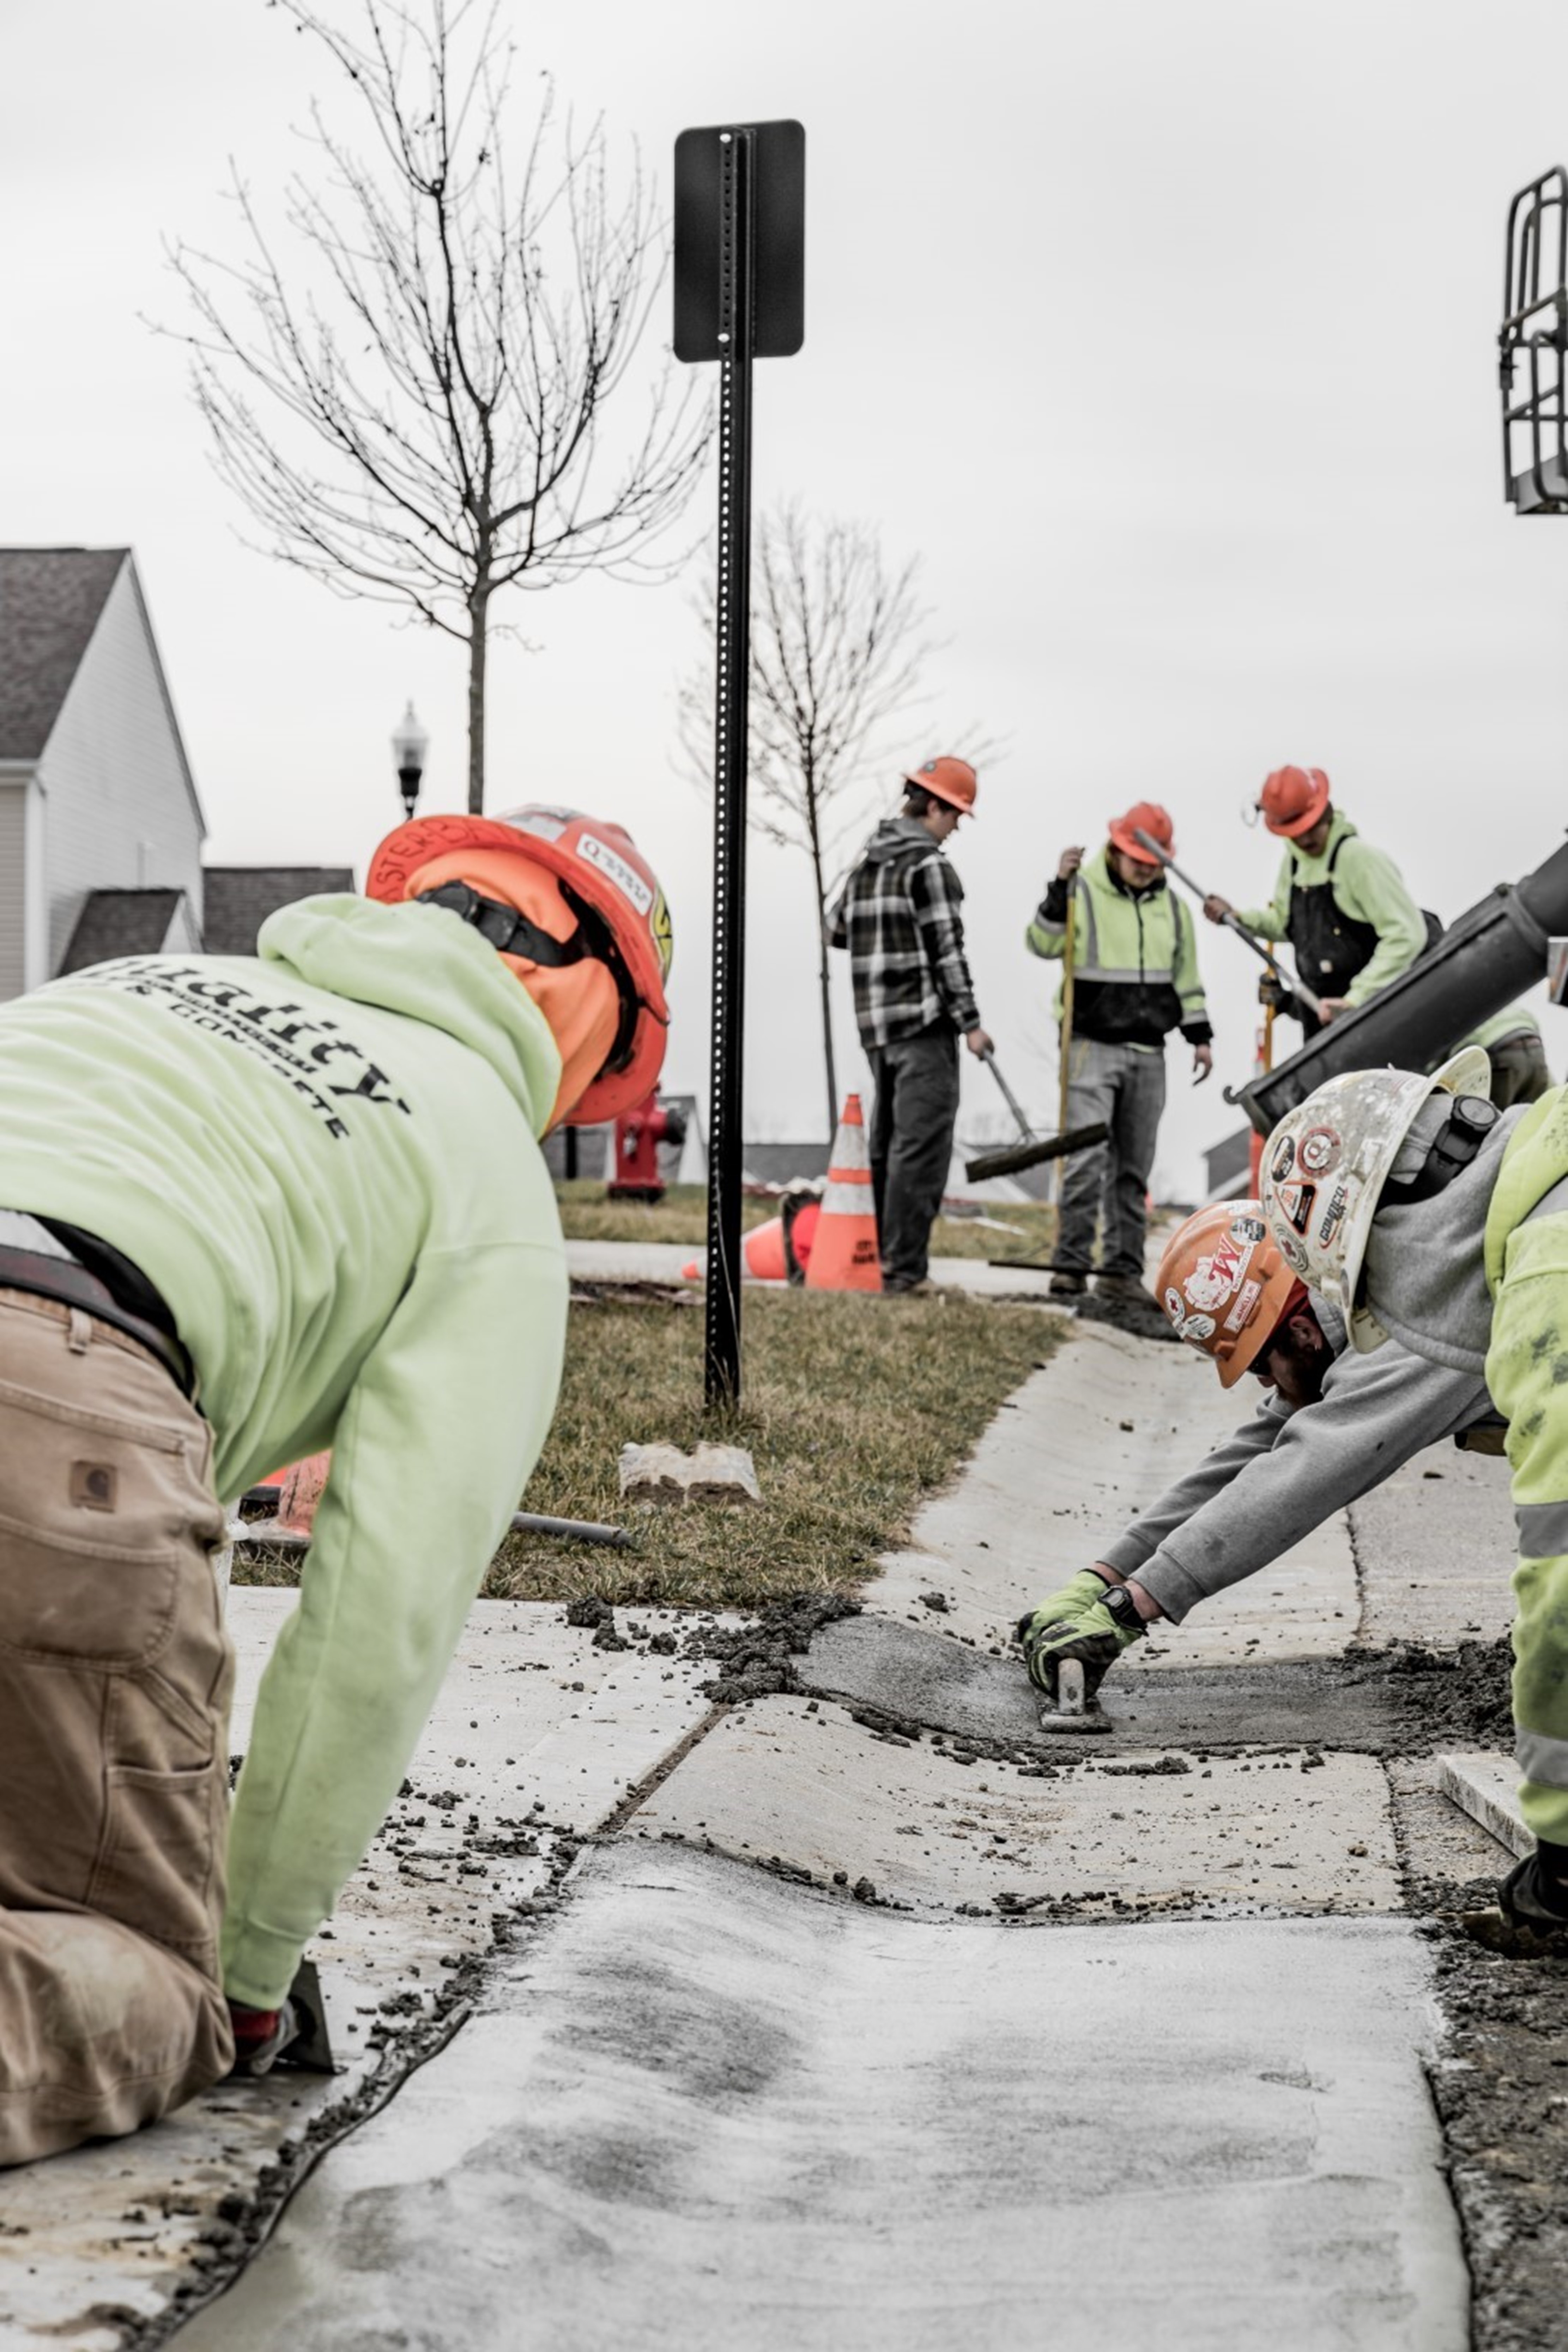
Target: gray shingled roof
{"x":238,"y":899}
{"x":120,"y":923}
{"x":50,"y":598}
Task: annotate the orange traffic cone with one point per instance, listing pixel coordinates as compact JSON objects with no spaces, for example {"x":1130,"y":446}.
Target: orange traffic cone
{"x":844,"y":1252}
{"x":763,"y":1250}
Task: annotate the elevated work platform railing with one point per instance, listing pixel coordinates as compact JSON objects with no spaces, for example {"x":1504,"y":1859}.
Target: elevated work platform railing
{"x":1532,"y":345}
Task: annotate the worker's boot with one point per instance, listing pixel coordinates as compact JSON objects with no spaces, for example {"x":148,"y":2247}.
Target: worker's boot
{"x":1535,"y":1892}
{"x":1127,"y":1291}
{"x":1069,"y":1286}
{"x":1531,"y":1907}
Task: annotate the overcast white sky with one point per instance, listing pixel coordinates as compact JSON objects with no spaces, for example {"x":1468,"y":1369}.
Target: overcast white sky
{"x":1165,"y":335}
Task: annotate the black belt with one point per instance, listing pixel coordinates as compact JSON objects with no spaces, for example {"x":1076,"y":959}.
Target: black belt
{"x":62,"y":1278}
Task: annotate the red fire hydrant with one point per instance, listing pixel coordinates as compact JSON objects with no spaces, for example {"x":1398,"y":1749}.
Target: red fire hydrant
{"x":638,"y":1134}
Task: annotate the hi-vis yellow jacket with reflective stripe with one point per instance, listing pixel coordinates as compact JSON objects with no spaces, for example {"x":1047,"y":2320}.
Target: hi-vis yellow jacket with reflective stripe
{"x":1136,"y":959}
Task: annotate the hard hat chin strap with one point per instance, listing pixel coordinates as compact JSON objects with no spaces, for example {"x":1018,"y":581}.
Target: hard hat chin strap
{"x":511,"y":932}
{"x":1453,"y":1149}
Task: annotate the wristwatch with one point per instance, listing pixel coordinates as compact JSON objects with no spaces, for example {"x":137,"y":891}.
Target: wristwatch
{"x":1123,"y":1609}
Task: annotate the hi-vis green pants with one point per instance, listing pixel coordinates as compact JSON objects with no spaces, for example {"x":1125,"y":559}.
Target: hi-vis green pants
{"x":1526,"y":1372}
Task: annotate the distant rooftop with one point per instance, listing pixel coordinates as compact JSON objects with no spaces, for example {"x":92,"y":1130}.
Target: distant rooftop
{"x":238,"y":899}
{"x":50,"y":598}
{"x":120,"y":923}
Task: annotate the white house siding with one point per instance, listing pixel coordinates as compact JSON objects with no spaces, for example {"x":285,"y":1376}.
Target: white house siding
{"x":13,"y":888}
{"x":120,"y":812}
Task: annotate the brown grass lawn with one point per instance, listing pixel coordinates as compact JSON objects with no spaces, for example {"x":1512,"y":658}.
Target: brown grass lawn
{"x":855,"y":1410}
{"x":682,"y":1217}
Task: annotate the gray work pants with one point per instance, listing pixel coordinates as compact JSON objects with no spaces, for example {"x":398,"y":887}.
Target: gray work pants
{"x":1125,"y":1087}
{"x":911,"y":1146}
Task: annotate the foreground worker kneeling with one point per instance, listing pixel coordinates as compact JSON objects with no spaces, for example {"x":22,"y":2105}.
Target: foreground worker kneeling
{"x":254,"y":1207}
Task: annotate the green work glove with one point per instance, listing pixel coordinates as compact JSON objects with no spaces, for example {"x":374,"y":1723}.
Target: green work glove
{"x":1084,"y":1590}
{"x":1092,"y":1635}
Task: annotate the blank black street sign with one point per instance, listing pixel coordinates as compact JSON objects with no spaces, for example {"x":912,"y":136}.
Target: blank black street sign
{"x":778,"y":242}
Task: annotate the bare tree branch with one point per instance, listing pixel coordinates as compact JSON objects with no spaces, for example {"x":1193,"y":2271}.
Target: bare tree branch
{"x":413,"y":407}
{"x":838,"y":648}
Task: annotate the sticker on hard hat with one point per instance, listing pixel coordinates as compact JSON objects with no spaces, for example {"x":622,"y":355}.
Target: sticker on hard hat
{"x":1247,"y":1298}
{"x":1248,"y":1229}
{"x":1292,"y":1253}
{"x":1320,"y":1151}
{"x":626,"y":878}
{"x":1296,"y":1203}
{"x":1333,"y":1217}
{"x":663,"y":931}
{"x":1284,"y":1159}
{"x":1198,"y":1326}
{"x":1175,"y":1308}
{"x":547,"y":824}
{"x":1216,"y":1277}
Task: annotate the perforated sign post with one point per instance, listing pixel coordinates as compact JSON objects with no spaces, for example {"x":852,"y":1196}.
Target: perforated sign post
{"x":739,"y":282}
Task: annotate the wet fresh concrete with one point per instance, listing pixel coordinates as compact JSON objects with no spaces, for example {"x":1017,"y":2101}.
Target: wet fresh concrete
{"x":1437,"y":1551}
{"x":1083,"y":1446}
{"x":798,"y":1782}
{"x":535,"y":1734}
{"x":916,"y":1676}
{"x":713,"y":2111}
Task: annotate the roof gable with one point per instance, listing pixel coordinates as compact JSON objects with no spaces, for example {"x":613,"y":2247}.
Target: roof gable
{"x":51,"y":599}
{"x":120,"y":923}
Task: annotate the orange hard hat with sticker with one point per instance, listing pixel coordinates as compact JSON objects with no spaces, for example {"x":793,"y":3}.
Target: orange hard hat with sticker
{"x":1225,"y":1287}
{"x":614,"y":894}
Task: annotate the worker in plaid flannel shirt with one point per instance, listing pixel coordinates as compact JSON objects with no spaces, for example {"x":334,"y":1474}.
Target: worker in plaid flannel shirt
{"x":899,"y":916}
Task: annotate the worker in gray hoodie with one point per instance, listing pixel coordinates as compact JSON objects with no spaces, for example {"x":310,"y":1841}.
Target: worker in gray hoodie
{"x":1434,"y":1220}
{"x":1331,"y":1425}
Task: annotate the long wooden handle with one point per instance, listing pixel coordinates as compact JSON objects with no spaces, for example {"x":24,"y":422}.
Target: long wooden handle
{"x":1067,"y":1003}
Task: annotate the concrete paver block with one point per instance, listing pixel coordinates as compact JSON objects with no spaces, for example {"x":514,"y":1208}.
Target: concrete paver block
{"x":662,"y":1474}
{"x":714,"y":2114}
{"x":798,"y":1782}
{"x":1487,"y":1788}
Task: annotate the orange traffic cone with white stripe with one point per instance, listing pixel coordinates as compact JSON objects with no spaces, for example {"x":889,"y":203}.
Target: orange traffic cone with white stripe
{"x":844,"y":1252}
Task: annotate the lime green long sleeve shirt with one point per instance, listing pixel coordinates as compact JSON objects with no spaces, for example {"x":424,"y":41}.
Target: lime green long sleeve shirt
{"x":325,"y":1159}
{"x":1368,"y":886}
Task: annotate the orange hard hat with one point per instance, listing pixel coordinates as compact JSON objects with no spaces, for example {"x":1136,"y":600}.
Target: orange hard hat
{"x":1292,"y":800}
{"x":1225,"y":1287}
{"x":1144,"y":816}
{"x":947,"y":779}
{"x":622,"y":920}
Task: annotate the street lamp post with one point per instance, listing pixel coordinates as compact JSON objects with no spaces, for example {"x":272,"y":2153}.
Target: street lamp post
{"x":409,"y":745}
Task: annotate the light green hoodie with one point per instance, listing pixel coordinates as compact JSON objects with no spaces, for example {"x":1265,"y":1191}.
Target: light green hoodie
{"x":325,"y":1160}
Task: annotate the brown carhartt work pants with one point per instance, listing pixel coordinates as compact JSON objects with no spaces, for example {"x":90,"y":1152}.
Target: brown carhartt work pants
{"x":115,"y":1679}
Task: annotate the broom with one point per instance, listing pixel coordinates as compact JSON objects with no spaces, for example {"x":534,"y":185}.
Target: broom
{"x":1035,"y":1148}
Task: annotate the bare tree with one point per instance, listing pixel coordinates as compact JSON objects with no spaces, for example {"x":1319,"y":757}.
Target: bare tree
{"x":838,"y":647}
{"x":413,"y":410}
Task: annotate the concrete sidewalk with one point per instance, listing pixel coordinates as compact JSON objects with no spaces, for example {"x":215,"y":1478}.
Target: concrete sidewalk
{"x":882,"y":2009}
{"x":668,"y":1261}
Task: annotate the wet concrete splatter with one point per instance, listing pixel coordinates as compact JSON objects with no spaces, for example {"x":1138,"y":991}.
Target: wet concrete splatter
{"x":1500,"y":2088}
{"x":758,"y":1659}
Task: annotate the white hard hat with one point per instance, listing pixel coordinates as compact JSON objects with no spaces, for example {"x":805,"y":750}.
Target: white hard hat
{"x":1325,"y":1165}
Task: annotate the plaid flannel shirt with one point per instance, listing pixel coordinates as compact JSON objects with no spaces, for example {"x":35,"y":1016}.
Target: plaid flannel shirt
{"x":899,"y":916}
